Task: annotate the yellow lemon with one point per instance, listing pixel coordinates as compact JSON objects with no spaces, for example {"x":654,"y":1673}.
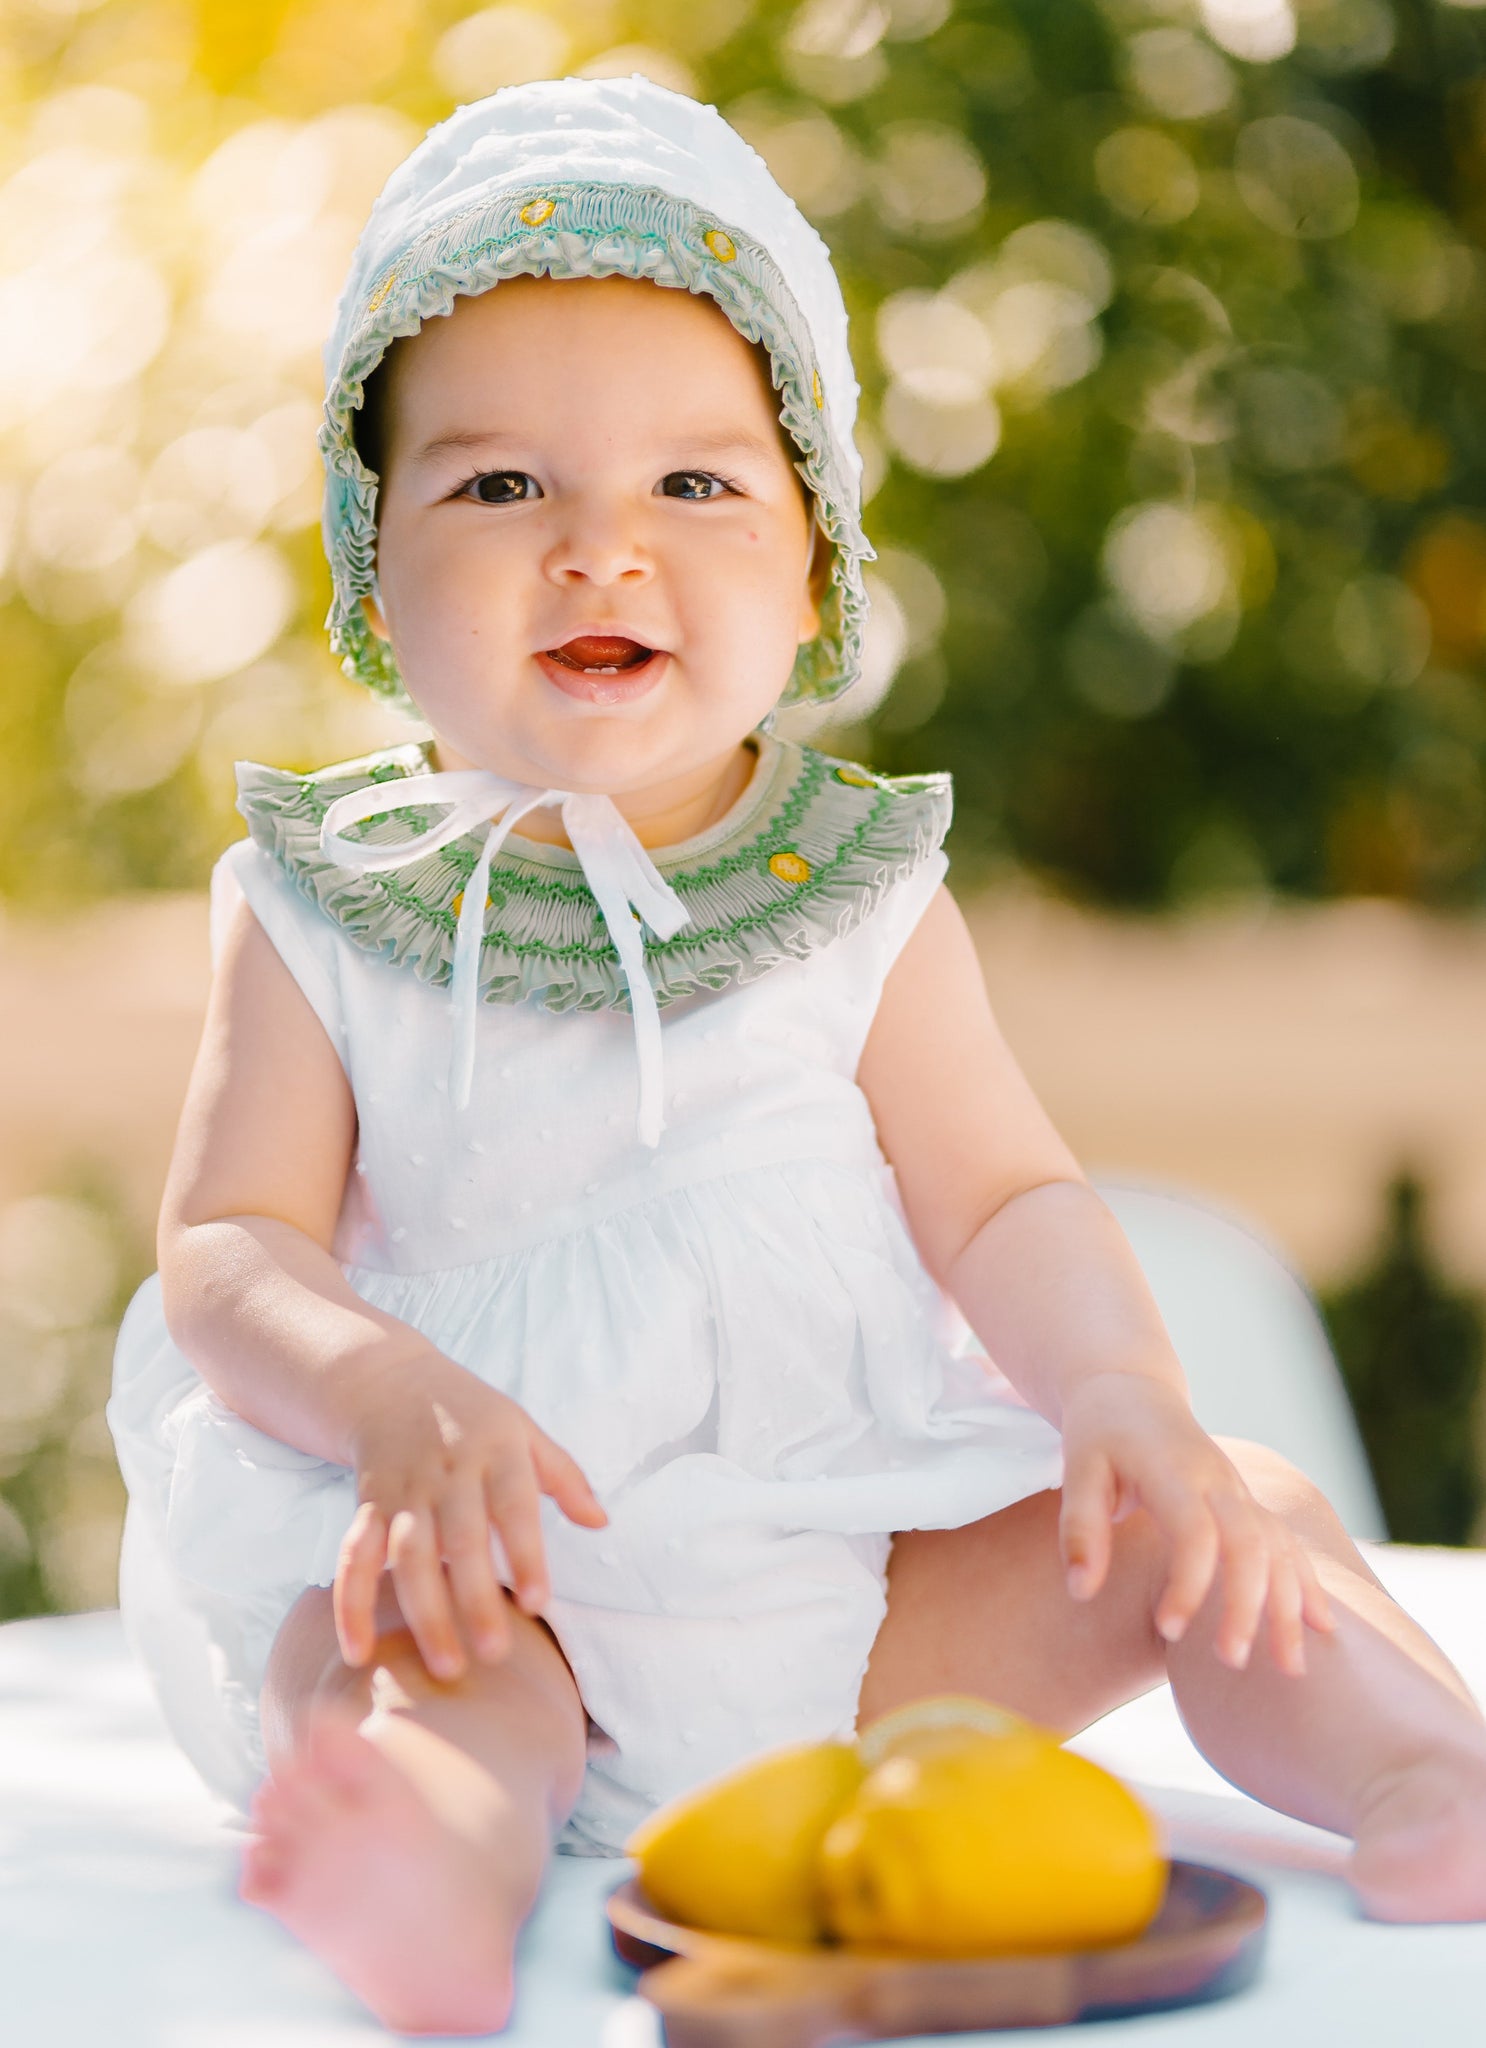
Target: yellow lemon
{"x":979,"y":1834}
{"x":926,"y":1725}
{"x":740,"y":1855}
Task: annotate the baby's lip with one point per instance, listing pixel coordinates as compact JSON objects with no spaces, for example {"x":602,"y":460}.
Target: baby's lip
{"x":599,"y":653}
{"x":603,"y":649}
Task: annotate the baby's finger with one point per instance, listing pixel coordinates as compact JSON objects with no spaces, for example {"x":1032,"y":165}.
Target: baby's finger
{"x":422,"y":1594}
{"x":353,"y":1597}
{"x":464,"y":1538}
{"x":1084,"y":1525}
{"x":1245,"y":1556}
{"x":514,"y":1506}
{"x":1188,"y":1522}
{"x":1286,"y":1627}
{"x":562,"y":1477}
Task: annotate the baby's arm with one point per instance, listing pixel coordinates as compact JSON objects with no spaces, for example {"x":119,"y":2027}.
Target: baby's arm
{"x":253,"y":1295}
{"x":1006,"y":1221}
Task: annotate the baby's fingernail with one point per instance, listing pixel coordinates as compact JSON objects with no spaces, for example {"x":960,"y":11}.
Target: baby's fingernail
{"x":1172,"y":1627}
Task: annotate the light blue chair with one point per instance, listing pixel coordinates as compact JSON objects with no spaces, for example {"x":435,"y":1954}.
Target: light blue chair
{"x":1251,"y":1341}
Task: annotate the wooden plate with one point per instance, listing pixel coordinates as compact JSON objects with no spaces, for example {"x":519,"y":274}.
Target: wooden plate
{"x":722,"y":1991}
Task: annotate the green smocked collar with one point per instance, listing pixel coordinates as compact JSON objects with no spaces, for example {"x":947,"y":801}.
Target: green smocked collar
{"x":808,"y":851}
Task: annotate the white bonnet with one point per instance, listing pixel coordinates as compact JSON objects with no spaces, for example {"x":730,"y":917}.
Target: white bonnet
{"x":581,"y":177}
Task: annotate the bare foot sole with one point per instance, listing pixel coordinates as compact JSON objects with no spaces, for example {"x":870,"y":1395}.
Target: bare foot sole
{"x":409,"y":1913}
{"x":1421,"y":1847}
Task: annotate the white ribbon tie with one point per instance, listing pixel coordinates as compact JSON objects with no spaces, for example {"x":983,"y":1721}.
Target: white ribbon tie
{"x":615,"y":865}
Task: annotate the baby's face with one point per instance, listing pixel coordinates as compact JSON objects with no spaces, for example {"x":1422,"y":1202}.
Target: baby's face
{"x":599,"y":458}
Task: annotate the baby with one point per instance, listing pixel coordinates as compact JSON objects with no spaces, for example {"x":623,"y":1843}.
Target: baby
{"x":559,"y":1381}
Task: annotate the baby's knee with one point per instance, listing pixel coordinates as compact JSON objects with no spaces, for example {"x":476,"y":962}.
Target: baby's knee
{"x":531,"y":1677}
{"x":1286,"y":1491}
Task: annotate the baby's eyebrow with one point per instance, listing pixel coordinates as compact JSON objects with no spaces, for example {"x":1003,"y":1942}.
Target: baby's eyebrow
{"x":732,"y":441}
{"x":729,"y":441}
{"x":468,"y":438}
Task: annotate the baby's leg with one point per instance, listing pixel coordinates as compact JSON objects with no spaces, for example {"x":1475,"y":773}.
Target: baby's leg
{"x":1379,"y":1740}
{"x":405,"y":1827}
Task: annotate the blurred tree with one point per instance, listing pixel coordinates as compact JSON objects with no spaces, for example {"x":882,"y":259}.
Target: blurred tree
{"x":1410,"y":1349}
{"x":69,"y":1260}
{"x":1170,"y":317}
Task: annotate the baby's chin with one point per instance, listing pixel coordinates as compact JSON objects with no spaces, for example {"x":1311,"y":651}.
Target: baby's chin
{"x":604,"y":750}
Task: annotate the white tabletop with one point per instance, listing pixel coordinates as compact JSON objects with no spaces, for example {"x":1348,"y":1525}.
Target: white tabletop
{"x":120,"y":1928}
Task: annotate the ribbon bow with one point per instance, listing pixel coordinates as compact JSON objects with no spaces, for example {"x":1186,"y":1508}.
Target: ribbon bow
{"x":615,"y":865}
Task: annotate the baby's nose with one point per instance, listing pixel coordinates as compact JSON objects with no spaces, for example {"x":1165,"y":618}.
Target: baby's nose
{"x":601,"y":550}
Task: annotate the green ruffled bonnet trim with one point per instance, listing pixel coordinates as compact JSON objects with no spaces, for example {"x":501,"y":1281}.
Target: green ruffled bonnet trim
{"x":591,"y":230}
{"x":809,"y":852}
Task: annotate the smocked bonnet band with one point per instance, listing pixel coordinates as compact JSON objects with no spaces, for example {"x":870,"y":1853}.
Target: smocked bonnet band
{"x":595,"y":178}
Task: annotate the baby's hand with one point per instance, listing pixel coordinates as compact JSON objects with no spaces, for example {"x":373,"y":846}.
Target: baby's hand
{"x":1132,"y":1442}
{"x":439,"y":1457}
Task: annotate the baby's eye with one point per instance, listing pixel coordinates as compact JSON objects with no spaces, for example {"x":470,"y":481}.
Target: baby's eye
{"x":500,"y":487}
{"x":694,"y":483}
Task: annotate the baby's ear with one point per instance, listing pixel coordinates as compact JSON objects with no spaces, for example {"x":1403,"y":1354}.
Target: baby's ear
{"x":820,"y":565}
{"x":374,"y":616}
{"x":817,"y":582}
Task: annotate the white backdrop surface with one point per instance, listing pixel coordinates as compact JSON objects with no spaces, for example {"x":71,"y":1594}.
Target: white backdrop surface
{"x":119,"y":1926}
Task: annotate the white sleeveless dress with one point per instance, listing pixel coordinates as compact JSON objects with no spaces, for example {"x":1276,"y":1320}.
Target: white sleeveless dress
{"x":732,"y":1333}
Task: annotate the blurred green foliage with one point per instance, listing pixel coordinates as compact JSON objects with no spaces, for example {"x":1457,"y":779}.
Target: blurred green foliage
{"x":1410,"y":1347}
{"x":69,"y":1260}
{"x":1170,"y":317}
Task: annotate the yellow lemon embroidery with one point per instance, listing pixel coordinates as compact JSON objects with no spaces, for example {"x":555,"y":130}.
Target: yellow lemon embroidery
{"x":721,"y":245}
{"x":855,"y":779}
{"x":459,"y":899}
{"x":536,"y":211}
{"x":380,"y":294}
{"x":815,"y":391}
{"x":789,"y":867}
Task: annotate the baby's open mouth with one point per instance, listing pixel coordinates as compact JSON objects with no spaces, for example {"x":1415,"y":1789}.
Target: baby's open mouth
{"x":601,"y":654}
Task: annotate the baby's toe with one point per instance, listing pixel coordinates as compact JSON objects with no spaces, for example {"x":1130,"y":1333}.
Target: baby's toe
{"x":265,"y":1870}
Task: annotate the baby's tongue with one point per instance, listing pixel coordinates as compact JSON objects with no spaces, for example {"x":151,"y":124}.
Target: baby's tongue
{"x":599,"y":650}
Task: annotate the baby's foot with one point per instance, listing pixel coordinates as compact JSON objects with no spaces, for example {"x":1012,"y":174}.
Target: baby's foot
{"x":411,"y":1913}
{"x":1420,"y":1851}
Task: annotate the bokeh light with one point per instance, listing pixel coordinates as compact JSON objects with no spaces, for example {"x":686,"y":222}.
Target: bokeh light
{"x":1296,"y":177}
{"x":498,"y":46}
{"x":1178,"y":74}
{"x":927,"y":179}
{"x":1256,"y":30}
{"x":1147,"y":176}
